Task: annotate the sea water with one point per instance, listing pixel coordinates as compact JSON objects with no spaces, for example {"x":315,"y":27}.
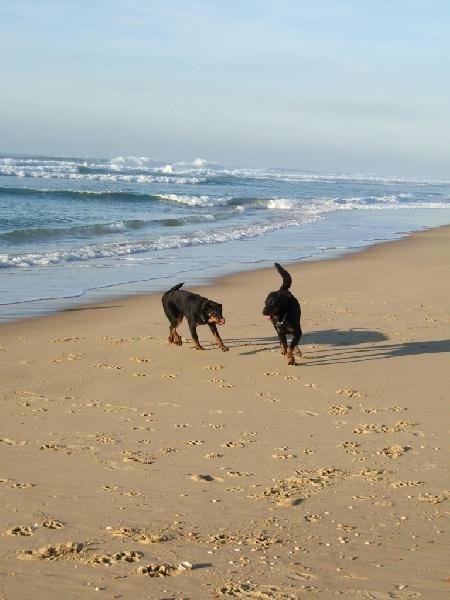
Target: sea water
{"x":77,"y":230}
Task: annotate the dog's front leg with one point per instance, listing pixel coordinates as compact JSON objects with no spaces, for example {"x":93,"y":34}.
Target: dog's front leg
{"x":193,"y":330}
{"x":283,"y":341}
{"x":285,"y":349}
{"x":217,"y":337}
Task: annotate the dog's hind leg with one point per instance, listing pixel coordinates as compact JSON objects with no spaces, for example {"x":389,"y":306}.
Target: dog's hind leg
{"x":217,"y":337}
{"x":174,"y":338}
{"x":294,"y":347}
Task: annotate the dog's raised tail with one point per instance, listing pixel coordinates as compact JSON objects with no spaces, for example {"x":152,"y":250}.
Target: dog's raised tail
{"x":175,"y":287}
{"x":287,"y":279}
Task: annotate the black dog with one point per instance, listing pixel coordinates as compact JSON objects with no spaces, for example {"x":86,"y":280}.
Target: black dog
{"x":283,"y":309}
{"x":197,"y":310}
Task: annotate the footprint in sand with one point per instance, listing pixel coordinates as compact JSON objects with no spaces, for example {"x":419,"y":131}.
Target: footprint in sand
{"x":283,"y":456}
{"x":140,"y":535}
{"x":65,"y":551}
{"x":374,"y":428}
{"x":214,"y":367}
{"x":393,"y":451}
{"x":139,"y":457}
{"x":370,"y":428}
{"x":55,"y":447}
{"x":105,"y":438}
{"x":339,"y":409}
{"x":206,"y":478}
{"x":20,"y":531}
{"x":156,"y":570}
{"x":22,"y":486}
{"x":351,"y":393}
{"x":407,"y":483}
{"x":115,"y":557}
{"x":349,"y":446}
{"x":233,"y":445}
{"x":434,"y":498}
{"x":52,"y":524}
{"x":313,"y":518}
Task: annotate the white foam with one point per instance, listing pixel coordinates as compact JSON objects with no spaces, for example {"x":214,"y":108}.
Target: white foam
{"x":193,"y":200}
{"x":280,"y":204}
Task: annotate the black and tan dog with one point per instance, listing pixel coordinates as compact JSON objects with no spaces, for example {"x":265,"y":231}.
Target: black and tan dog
{"x":283,"y":309}
{"x":197,"y":310}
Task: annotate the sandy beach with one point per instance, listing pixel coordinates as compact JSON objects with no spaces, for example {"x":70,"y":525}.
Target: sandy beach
{"x":132,"y":468}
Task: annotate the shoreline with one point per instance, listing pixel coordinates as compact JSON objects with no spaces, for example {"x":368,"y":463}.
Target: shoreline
{"x":69,"y":305}
{"x":120,"y":451}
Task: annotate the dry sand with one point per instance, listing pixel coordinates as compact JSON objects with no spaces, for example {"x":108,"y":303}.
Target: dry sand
{"x":123,"y":457}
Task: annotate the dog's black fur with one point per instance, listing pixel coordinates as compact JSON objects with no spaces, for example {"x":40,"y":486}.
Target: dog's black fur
{"x":283,"y":309}
{"x":197,"y":310}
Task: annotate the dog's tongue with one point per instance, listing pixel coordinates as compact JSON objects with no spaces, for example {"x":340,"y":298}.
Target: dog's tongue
{"x":267,"y":317}
{"x":222,"y":322}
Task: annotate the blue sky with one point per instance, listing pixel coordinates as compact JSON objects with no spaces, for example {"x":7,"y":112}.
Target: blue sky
{"x":354,"y":86}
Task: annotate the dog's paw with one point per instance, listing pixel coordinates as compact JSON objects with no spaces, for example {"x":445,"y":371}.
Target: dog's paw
{"x":225,"y":349}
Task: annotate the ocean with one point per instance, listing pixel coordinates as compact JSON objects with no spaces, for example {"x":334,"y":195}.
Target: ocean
{"x":78,"y":230}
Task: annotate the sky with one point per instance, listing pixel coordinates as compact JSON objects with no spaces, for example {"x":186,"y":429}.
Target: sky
{"x":341,"y":86}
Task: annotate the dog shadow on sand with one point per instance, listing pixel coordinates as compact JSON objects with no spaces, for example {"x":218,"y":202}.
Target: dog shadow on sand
{"x":342,"y":346}
{"x":333,"y":346}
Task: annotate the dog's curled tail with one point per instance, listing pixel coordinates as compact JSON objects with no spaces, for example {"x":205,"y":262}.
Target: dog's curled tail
{"x":175,"y":287}
{"x":287,"y":279}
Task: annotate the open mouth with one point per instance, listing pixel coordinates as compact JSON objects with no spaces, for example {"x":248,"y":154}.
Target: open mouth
{"x":217,"y":320}
{"x":267,"y":317}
